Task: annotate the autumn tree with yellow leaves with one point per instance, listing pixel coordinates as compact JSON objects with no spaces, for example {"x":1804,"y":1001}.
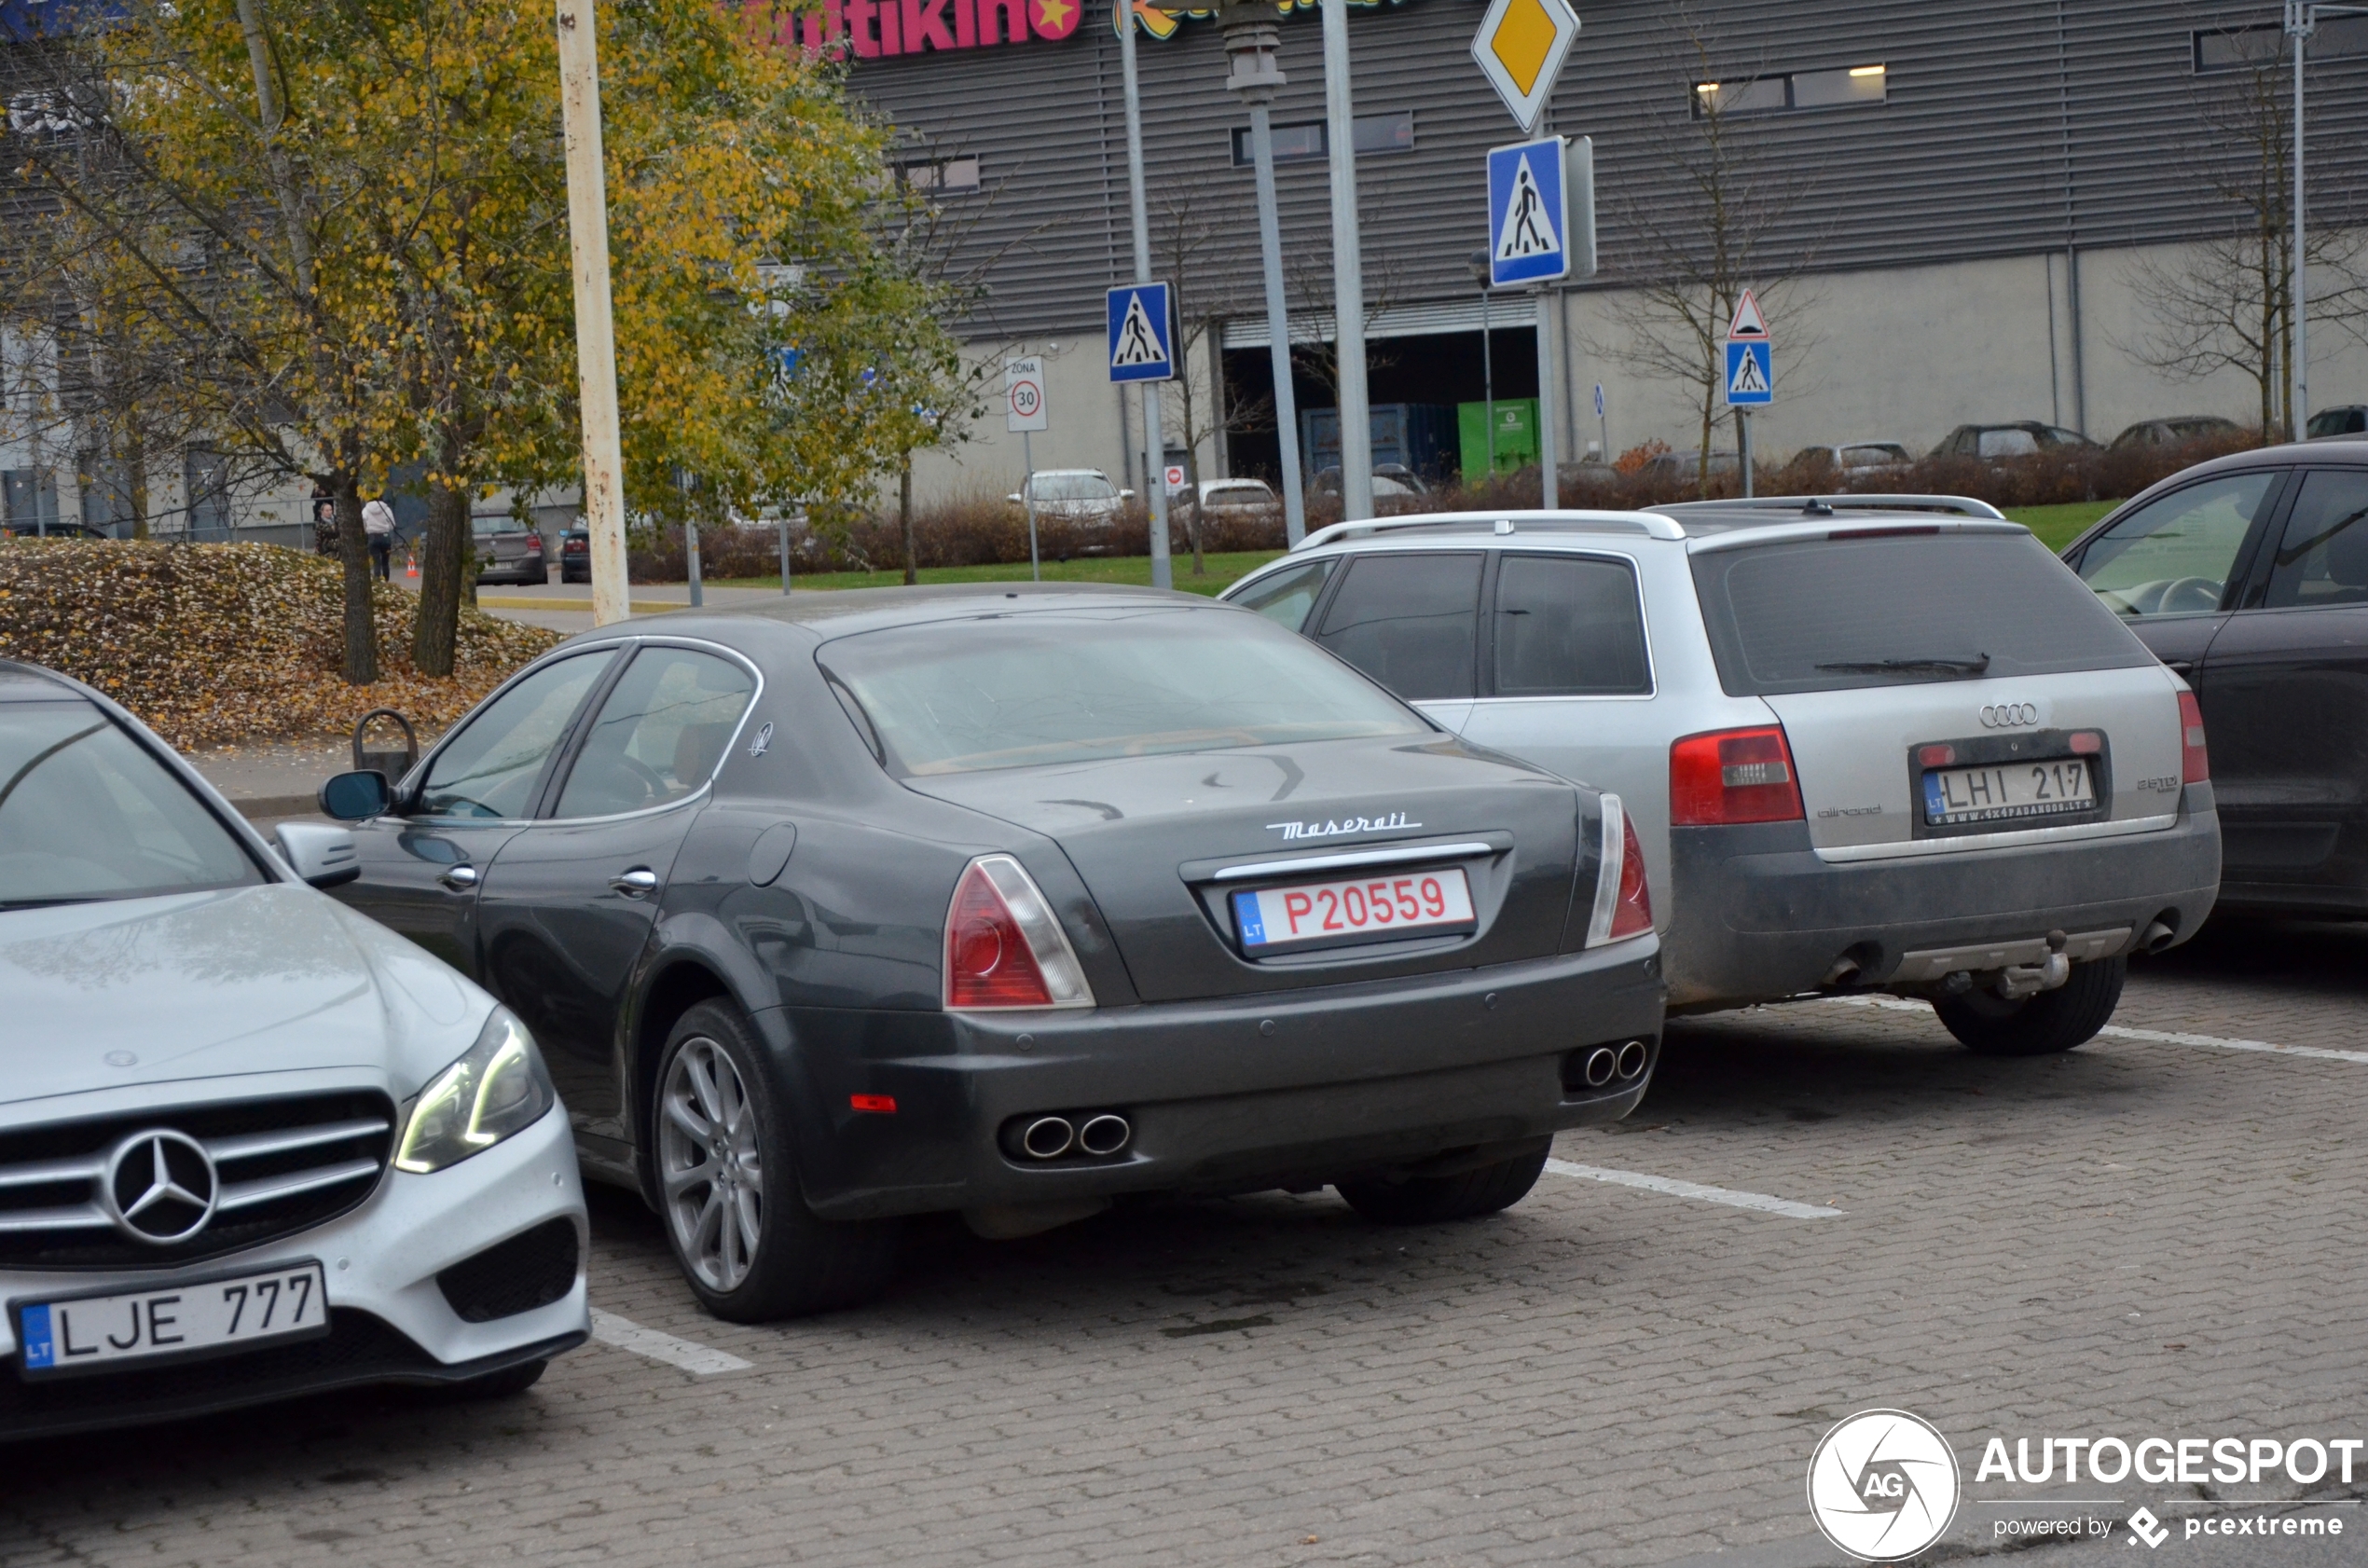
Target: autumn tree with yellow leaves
{"x":333,"y":237}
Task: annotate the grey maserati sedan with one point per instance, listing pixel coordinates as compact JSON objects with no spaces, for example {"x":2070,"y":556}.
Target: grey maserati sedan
{"x":1016,"y":902}
{"x":252,"y":1144}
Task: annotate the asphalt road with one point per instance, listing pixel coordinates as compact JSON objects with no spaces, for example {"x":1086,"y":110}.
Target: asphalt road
{"x":2157,"y":1235}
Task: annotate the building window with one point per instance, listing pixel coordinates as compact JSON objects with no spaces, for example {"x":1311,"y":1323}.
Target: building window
{"x":2263,"y":44}
{"x":31,"y":496}
{"x":950,"y":175}
{"x":1799,"y":90}
{"x":1377,"y":135}
{"x":206,"y":477}
{"x":106,"y":495}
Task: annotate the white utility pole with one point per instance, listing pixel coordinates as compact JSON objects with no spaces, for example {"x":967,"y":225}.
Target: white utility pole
{"x":1155,"y":449}
{"x":1252,"y":40}
{"x":1348,"y":272}
{"x":2302,"y":21}
{"x":595,"y":329}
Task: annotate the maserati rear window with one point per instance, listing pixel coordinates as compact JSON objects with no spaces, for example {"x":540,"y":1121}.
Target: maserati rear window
{"x":1026,"y":689}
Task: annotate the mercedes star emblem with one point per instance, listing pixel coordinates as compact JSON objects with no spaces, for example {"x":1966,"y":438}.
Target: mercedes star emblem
{"x":161,"y":1186}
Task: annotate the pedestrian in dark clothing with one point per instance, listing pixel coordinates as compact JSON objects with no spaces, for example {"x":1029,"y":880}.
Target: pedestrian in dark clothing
{"x":378,"y":522}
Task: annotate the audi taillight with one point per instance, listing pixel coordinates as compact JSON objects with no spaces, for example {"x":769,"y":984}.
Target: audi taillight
{"x":1623,"y":901}
{"x":2194,"y":763}
{"x":1003,"y":946}
{"x":1733,"y":776}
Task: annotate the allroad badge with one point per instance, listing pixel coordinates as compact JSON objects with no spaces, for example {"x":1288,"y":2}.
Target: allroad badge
{"x":2009,"y":715}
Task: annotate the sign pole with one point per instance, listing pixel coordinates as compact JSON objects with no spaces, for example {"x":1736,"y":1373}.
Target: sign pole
{"x":1743,"y":447}
{"x":595,"y":328}
{"x":1348,"y":272}
{"x":1488,"y":380}
{"x":1155,"y":449}
{"x":1028,"y":503}
{"x":785,"y":557}
{"x":1278,"y":329}
{"x":1548,"y":496}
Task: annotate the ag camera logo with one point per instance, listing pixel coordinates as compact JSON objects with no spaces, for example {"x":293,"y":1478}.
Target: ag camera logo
{"x":1884,"y":1485}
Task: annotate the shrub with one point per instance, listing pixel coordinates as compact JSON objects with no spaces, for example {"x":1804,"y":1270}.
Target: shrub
{"x":215,"y":643}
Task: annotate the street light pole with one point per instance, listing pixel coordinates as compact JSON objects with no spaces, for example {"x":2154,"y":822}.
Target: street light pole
{"x":595,"y":328}
{"x":2302,"y":21}
{"x":1488,"y":357}
{"x":1252,"y":41}
{"x":1155,"y":449}
{"x":1348,"y":272}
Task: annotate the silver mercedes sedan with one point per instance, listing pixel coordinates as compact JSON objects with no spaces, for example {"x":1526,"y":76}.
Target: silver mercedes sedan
{"x":253,"y":1145}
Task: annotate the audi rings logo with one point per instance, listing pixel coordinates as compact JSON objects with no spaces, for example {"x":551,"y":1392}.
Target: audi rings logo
{"x":159,"y":1187}
{"x":1884,"y":1485}
{"x":2009,"y":715}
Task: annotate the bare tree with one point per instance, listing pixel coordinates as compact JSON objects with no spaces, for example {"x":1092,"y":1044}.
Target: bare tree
{"x":1730,"y":223}
{"x":2226,"y":302}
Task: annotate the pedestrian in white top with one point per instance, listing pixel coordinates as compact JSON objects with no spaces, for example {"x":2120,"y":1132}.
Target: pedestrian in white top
{"x":377,"y":523}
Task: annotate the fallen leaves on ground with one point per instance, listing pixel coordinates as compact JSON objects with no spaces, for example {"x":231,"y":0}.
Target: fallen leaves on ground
{"x":218,"y":644}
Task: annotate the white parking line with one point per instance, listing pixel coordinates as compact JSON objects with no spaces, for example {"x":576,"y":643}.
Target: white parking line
{"x":2157,"y":1037}
{"x":1675,"y":1188}
{"x":627,"y":1335}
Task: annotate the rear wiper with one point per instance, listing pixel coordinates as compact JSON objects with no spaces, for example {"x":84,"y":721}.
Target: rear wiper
{"x":1973,"y":666}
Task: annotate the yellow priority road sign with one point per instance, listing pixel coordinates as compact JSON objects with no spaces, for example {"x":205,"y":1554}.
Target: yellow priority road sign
{"x":1521,"y":46}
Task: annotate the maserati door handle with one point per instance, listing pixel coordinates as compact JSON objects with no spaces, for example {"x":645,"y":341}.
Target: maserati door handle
{"x":458,"y":878}
{"x":2179,"y":667}
{"x":637,"y":883}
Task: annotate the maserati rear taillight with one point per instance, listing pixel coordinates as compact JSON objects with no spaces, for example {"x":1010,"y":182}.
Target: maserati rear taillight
{"x":1623,"y":901}
{"x":1733,"y":776}
{"x":1003,"y":946}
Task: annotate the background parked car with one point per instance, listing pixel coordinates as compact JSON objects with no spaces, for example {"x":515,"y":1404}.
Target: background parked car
{"x":2248,"y":576}
{"x":52,"y":530}
{"x":2350,"y":420}
{"x":1854,"y":461}
{"x":277,"y":1150}
{"x":1238,"y":497}
{"x":2019,"y":438}
{"x":575,"y":556}
{"x":1680,"y":468}
{"x":509,"y":549}
{"x":1866,"y":745}
{"x":2174,"y":431}
{"x":1396,"y":489}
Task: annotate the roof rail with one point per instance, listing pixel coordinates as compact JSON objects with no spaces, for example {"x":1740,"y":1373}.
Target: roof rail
{"x":1811,"y":505}
{"x":1646,"y":523}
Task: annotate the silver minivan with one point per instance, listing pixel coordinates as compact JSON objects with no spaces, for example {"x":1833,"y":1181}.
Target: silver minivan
{"x":1875,"y":742}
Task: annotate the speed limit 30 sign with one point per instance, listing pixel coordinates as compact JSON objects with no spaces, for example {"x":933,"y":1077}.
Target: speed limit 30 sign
{"x":1023,"y":395}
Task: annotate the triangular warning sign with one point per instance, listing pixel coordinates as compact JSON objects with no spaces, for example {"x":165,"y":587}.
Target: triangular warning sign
{"x":1528,"y":232}
{"x":1747,"y":379}
{"x":1137,"y":342}
{"x":1748,"y":322}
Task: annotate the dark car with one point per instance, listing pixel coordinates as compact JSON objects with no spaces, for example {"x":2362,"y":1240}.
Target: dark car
{"x":2175,"y":431}
{"x":575,"y":556}
{"x":2015,"y":438}
{"x":1015,"y":901}
{"x":508,"y":550}
{"x":52,"y":531}
{"x":2248,"y":576}
{"x":2350,"y":420}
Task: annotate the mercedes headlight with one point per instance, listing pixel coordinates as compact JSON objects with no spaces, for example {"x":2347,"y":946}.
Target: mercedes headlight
{"x":498,"y":1087}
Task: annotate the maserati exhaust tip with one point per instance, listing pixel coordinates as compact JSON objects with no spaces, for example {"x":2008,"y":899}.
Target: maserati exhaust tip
{"x":1601,"y":1064}
{"x":1631,"y":1058}
{"x":1048,"y":1138}
{"x":1103,"y":1134}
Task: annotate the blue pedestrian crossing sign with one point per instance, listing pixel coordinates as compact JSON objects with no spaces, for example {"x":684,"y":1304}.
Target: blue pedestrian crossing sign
{"x":1141,"y":334}
{"x":1528,"y":239}
{"x":1751,"y":376}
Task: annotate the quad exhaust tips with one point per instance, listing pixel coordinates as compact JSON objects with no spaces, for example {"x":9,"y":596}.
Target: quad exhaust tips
{"x":1605,"y":1063}
{"x":1100,"y":1135}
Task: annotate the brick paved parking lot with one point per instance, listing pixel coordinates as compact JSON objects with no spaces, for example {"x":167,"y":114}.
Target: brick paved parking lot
{"x":2147,"y":1237}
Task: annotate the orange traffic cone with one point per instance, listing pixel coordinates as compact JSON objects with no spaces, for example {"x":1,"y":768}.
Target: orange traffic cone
{"x":410,"y":566}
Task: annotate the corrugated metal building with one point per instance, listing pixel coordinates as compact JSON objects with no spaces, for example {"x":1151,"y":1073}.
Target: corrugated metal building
{"x":1962,"y":229}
